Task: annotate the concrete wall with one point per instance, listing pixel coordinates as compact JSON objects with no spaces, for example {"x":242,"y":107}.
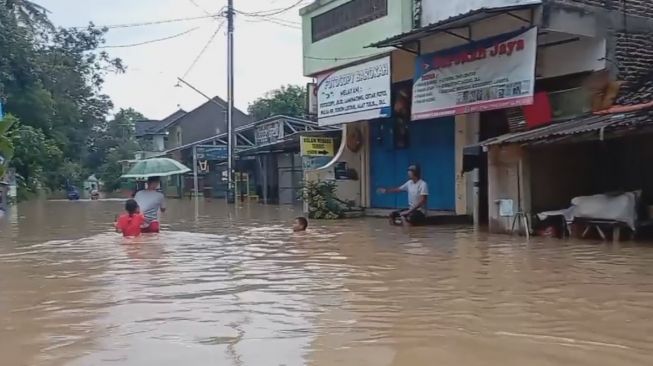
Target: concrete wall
{"x":290,"y":177}
{"x":349,"y":190}
{"x":349,"y":46}
{"x":508,"y":178}
{"x":158,"y":143}
{"x":467,"y":130}
{"x":626,"y":25}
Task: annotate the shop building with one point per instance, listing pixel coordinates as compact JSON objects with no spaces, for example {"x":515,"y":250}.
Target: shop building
{"x":574,"y":39}
{"x":368,"y":91}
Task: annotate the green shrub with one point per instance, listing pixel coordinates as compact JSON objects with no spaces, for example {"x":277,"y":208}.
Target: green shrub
{"x":320,"y":196}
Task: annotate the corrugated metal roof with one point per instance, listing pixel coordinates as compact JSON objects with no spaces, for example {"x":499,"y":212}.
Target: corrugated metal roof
{"x":453,"y":22}
{"x":596,"y":125}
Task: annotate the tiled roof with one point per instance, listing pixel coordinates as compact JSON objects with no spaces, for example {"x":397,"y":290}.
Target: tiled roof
{"x":639,"y":93}
{"x":154,"y":127}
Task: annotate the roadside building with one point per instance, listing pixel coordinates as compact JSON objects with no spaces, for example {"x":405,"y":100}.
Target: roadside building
{"x":268,"y":166}
{"x":153,"y":134}
{"x":368,"y":91}
{"x":175,"y":135}
{"x":471,"y":71}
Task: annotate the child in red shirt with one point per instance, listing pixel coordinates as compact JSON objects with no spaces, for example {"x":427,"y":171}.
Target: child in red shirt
{"x":129,"y":223}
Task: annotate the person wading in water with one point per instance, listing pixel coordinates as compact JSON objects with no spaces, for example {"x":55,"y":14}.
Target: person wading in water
{"x":151,"y":201}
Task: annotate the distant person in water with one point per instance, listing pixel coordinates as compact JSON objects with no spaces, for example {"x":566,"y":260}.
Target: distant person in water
{"x":130,"y":222}
{"x":418,"y":193}
{"x":300,"y":224}
{"x":151,"y":201}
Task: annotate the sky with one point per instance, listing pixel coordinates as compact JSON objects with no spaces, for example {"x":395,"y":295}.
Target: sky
{"x":267,"y":55}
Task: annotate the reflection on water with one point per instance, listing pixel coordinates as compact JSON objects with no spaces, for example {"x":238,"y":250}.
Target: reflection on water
{"x":235,"y":287}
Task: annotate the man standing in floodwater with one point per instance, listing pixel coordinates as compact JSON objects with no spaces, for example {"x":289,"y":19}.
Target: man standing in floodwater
{"x":418,"y":193}
{"x":151,"y":201}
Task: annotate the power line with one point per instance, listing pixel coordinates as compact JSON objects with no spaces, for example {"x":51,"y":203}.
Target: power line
{"x":271,"y":12}
{"x":199,"y":7}
{"x":155,"y":22}
{"x":206,"y":46}
{"x":152,"y":41}
{"x":204,"y":10}
{"x":277,"y":21}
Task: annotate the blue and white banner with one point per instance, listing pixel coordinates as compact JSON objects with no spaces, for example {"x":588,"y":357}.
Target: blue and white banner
{"x":356,"y":93}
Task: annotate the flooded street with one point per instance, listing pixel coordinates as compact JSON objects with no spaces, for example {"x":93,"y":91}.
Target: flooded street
{"x":239,"y":289}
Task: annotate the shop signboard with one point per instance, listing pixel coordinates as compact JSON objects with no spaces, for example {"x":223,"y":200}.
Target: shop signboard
{"x":212,"y":152}
{"x":356,"y":93}
{"x":493,"y":73}
{"x":316,"y":146}
{"x":269,"y":133}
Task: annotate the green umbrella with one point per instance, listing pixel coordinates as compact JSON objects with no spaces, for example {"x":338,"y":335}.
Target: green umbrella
{"x":156,"y":167}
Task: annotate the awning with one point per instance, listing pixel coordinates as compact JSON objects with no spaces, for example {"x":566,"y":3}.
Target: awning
{"x":289,"y":143}
{"x":589,"y":128}
{"x":451,"y":23}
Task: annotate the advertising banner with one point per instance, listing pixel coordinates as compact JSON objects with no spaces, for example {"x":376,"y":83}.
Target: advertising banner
{"x":355,"y":93}
{"x":493,"y":73}
{"x":316,"y":146}
{"x":269,"y":133}
{"x":212,"y":152}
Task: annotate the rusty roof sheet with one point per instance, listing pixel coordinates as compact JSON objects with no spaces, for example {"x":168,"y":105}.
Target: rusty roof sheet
{"x":596,"y":125}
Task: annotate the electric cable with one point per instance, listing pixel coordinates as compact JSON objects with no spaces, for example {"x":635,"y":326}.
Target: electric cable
{"x":206,"y":46}
{"x":151,"y":41}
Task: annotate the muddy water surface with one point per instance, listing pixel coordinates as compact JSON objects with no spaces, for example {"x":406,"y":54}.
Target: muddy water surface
{"x":234,"y":287}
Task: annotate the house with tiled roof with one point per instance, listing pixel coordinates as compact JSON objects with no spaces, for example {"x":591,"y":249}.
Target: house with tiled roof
{"x":152,"y":134}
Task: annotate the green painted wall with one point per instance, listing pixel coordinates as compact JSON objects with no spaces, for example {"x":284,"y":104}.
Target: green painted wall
{"x":351,"y":43}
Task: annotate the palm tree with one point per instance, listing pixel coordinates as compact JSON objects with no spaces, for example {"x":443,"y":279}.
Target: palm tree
{"x":29,"y":13}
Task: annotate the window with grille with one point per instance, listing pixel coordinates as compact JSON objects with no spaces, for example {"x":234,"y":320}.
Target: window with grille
{"x":347,"y":16}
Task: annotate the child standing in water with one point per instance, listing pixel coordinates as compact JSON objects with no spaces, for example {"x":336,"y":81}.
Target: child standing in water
{"x":129,"y":223}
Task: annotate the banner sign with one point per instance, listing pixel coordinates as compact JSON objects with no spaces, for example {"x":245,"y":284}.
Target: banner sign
{"x":212,"y":152}
{"x":316,"y":146}
{"x":269,"y":133}
{"x":493,"y":73}
{"x":355,"y":93}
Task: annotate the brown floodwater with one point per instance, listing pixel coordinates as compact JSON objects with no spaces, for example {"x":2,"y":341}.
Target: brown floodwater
{"x":234,"y":287}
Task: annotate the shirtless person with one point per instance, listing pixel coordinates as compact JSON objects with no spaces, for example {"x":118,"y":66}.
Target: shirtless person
{"x":151,"y":201}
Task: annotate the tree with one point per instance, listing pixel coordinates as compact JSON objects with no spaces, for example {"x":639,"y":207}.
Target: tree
{"x":6,"y":145}
{"x":51,"y":81}
{"x":289,"y":100}
{"x":34,"y":156}
{"x":29,"y":13}
{"x":116,"y":143}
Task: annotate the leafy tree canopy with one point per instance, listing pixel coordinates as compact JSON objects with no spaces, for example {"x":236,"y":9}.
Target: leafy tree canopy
{"x":51,"y":84}
{"x":289,"y":100}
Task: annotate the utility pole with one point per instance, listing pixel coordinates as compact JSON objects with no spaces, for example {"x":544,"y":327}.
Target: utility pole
{"x":231,"y":194}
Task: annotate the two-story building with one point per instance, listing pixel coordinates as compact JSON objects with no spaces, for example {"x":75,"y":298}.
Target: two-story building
{"x":153,"y":134}
{"x":461,"y":72}
{"x":368,"y":90}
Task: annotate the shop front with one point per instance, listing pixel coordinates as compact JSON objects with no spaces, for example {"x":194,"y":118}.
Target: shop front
{"x":396,"y":143}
